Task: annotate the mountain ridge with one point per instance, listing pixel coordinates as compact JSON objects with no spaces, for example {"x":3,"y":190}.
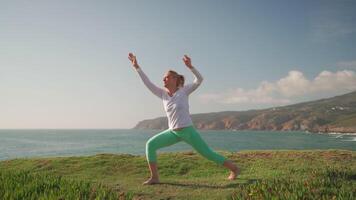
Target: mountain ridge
{"x":334,"y":114}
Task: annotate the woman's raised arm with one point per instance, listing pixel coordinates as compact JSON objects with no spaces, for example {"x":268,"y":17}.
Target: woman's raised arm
{"x":198,"y":78}
{"x":152,"y":87}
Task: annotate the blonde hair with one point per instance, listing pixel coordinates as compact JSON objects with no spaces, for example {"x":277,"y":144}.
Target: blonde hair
{"x":180,"y":78}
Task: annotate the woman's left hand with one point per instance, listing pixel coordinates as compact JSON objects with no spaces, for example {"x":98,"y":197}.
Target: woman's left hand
{"x":187,"y":61}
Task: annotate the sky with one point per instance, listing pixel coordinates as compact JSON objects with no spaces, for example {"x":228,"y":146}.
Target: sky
{"x":63,"y":64}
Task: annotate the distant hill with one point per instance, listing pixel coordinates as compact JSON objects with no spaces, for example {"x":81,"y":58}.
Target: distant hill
{"x":336,"y":114}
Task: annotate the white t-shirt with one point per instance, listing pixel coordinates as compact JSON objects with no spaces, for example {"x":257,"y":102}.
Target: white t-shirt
{"x":177,"y":106}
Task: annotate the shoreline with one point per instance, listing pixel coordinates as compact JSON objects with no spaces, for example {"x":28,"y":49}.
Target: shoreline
{"x":339,"y":133}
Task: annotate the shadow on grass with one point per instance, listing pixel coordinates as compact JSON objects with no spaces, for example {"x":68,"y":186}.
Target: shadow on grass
{"x":352,"y":177}
{"x":347,"y":175}
{"x":197,"y":185}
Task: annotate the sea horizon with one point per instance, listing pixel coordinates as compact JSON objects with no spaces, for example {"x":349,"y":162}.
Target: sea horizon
{"x":24,"y":143}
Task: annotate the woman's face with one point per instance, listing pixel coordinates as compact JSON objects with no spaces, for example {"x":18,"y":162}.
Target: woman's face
{"x":169,"y":80}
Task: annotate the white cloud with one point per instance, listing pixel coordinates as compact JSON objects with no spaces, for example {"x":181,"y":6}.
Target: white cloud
{"x":294,"y":84}
{"x":332,"y":82}
{"x":286,"y":89}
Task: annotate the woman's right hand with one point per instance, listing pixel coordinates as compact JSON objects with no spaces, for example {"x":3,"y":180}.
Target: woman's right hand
{"x":133,"y":60}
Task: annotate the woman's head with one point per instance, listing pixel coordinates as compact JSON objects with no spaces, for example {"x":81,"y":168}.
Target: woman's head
{"x":172,"y":78}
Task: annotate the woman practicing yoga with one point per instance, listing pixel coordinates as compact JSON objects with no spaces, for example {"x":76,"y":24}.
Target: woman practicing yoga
{"x":175,"y":102}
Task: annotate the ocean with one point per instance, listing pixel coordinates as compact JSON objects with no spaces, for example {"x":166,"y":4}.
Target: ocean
{"x":62,"y":142}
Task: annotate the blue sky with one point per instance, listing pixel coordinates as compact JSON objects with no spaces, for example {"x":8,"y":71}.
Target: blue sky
{"x":63,"y":64}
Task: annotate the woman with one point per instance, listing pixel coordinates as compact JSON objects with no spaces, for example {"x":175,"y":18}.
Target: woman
{"x":175,"y":101}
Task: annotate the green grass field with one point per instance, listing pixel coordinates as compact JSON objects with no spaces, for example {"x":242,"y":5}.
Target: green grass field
{"x":324,"y":174}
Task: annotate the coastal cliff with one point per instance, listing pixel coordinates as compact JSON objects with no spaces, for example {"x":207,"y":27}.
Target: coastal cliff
{"x":336,"y":114}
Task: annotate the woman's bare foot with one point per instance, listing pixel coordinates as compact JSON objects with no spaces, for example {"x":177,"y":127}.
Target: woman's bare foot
{"x":234,"y":173}
{"x":151,"y":181}
{"x":234,"y":170}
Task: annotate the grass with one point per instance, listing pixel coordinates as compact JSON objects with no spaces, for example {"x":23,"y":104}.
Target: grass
{"x":316,"y":174}
{"x":25,"y":185}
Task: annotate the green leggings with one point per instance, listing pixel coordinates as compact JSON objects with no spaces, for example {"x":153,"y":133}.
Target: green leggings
{"x":187,"y":134}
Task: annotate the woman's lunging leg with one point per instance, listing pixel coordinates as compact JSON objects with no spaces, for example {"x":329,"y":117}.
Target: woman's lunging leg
{"x":163,"y":139}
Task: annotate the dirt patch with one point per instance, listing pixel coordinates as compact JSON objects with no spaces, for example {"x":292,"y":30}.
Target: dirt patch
{"x":43,"y":164}
{"x":305,"y":155}
{"x":336,"y":156}
{"x":254,"y":155}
